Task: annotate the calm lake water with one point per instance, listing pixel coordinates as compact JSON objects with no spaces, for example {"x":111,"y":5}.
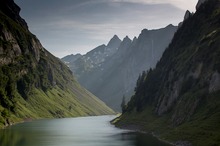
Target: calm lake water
{"x":85,"y":131}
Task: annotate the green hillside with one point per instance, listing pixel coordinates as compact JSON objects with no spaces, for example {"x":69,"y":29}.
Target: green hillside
{"x":33,"y":83}
{"x":179,"y":100}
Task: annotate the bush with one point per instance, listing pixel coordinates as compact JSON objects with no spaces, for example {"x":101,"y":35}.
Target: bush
{"x":5,"y":113}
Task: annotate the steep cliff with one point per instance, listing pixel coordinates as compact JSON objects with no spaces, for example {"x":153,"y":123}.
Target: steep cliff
{"x":179,"y":99}
{"x":34,"y":83}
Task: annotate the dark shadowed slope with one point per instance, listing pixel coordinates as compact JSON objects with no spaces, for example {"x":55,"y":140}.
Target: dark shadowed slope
{"x":179,"y":99}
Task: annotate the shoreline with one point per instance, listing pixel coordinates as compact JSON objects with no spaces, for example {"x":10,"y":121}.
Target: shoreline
{"x":138,"y":128}
{"x":31,"y":120}
{"x":16,"y":122}
{"x":177,"y":143}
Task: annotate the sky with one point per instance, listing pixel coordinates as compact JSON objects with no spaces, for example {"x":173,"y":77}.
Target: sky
{"x":67,"y":27}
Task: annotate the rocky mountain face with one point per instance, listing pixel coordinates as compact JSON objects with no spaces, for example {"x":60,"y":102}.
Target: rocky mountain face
{"x":82,"y":65}
{"x":179,"y":99}
{"x":71,"y":58}
{"x":115,"y":77}
{"x":34,"y":83}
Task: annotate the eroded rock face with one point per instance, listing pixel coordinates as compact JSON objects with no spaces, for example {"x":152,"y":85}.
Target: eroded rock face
{"x":214,"y":84}
{"x":168,"y":100}
{"x":36,"y":47}
{"x":11,"y":43}
{"x":173,"y":92}
{"x":15,"y":49}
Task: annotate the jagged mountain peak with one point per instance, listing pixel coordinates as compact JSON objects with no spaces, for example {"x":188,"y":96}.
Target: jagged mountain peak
{"x":115,"y":37}
{"x":125,"y":43}
{"x":114,"y":42}
{"x":200,"y":2}
{"x":71,"y":58}
{"x":170,"y":25}
{"x":134,"y":39}
{"x":187,"y":15}
{"x":12,"y":10}
{"x":126,"y":39}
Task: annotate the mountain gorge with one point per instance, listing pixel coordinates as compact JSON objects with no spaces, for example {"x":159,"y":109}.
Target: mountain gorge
{"x":115,"y":76}
{"x":33,"y":83}
{"x":179,"y":99}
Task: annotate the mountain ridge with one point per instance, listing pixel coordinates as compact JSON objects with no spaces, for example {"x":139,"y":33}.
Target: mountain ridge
{"x":179,"y":99}
{"x":115,"y":77}
{"x":34,"y":84}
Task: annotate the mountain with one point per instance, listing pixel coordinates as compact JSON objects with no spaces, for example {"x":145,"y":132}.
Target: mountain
{"x":81,"y":65}
{"x":71,"y":58}
{"x":116,"y":76}
{"x":179,"y":99}
{"x":33,"y":83}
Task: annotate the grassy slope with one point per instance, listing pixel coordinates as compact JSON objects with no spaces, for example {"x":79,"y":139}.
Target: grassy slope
{"x":201,"y":130}
{"x":44,"y":88}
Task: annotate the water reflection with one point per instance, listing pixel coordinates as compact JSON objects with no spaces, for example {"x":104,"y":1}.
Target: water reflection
{"x":90,"y":131}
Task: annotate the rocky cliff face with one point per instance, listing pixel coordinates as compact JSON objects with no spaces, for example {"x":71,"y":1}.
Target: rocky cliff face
{"x":180,"y":97}
{"x":34,"y":83}
{"x":115,"y":75}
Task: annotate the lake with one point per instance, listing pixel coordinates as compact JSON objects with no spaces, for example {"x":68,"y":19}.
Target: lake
{"x":83,"y":131}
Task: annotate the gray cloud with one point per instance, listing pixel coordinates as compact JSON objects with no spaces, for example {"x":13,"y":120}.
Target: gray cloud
{"x":71,"y":26}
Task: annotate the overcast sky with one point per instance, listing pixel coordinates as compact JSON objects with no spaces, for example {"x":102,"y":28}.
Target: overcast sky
{"x":76,"y":26}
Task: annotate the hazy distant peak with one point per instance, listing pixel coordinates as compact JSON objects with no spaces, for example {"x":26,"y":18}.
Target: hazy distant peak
{"x":126,"y":39}
{"x":125,"y":43}
{"x":71,"y":58}
{"x":114,"y":42}
{"x":170,"y":25}
{"x":134,"y":39}
{"x":78,"y":54}
{"x":100,"y":48}
{"x":115,"y":37}
{"x":144,"y":30}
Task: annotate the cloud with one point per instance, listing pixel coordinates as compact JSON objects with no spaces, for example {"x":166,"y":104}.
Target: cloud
{"x":183,"y":4}
{"x":64,"y":26}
